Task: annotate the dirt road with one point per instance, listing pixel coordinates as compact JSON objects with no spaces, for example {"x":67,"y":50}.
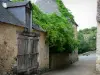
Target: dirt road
{"x":85,"y":66}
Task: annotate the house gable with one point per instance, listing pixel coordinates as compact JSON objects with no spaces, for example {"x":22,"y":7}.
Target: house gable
{"x":19,"y":4}
{"x":21,"y":10}
{"x":48,"y":6}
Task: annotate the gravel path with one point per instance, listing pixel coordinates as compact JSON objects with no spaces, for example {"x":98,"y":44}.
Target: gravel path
{"x":85,"y":66}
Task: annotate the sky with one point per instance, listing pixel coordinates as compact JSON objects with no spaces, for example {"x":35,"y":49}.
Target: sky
{"x":84,"y":12}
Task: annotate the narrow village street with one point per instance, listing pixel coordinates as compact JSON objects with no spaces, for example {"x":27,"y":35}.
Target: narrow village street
{"x":39,"y":36}
{"x":85,"y":66}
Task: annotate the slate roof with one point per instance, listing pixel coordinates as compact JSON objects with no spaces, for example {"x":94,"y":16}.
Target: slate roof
{"x":98,"y":11}
{"x":37,"y":27}
{"x":17,"y":4}
{"x":4,"y":0}
{"x":48,"y":6}
{"x":7,"y":17}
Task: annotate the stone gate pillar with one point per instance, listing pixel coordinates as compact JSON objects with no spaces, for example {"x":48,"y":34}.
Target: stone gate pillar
{"x":98,"y":38}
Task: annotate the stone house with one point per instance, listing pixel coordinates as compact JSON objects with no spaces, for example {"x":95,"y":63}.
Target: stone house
{"x":48,"y":7}
{"x":18,"y":43}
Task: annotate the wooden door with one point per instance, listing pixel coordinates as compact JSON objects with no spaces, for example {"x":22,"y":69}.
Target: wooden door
{"x":27,"y":53}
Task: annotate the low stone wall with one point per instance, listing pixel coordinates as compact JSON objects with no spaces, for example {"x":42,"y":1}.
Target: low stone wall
{"x":62,"y":60}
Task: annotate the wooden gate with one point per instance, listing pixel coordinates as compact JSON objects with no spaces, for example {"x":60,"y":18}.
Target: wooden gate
{"x":27,"y":53}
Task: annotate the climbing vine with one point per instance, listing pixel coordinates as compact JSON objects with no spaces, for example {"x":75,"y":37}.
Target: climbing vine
{"x":65,"y":11}
{"x":59,"y":28}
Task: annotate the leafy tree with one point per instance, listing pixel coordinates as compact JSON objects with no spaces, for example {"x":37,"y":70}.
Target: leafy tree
{"x":87,"y":39}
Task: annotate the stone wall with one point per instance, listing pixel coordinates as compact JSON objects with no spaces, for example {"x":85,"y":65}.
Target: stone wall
{"x":98,"y":49}
{"x":8,"y":46}
{"x":98,"y":38}
{"x":43,"y":49}
{"x":76,"y":34}
{"x":62,"y":60}
{"x":75,"y":31}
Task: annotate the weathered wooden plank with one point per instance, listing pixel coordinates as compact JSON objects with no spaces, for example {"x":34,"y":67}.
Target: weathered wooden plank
{"x":27,"y":52}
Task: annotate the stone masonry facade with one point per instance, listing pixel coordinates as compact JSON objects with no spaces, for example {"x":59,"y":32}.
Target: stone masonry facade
{"x":98,"y":38}
{"x":8,"y":46}
{"x":98,"y":49}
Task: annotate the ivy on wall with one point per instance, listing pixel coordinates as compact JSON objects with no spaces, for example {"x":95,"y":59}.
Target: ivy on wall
{"x":59,"y":28}
{"x":60,"y":35}
{"x":65,"y":11}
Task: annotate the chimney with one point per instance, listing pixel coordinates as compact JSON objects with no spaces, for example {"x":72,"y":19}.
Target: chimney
{"x":4,"y":0}
{"x":30,"y":26}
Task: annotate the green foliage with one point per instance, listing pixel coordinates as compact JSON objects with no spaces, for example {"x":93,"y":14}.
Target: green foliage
{"x":87,"y":39}
{"x":59,"y":30}
{"x":65,"y":11}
